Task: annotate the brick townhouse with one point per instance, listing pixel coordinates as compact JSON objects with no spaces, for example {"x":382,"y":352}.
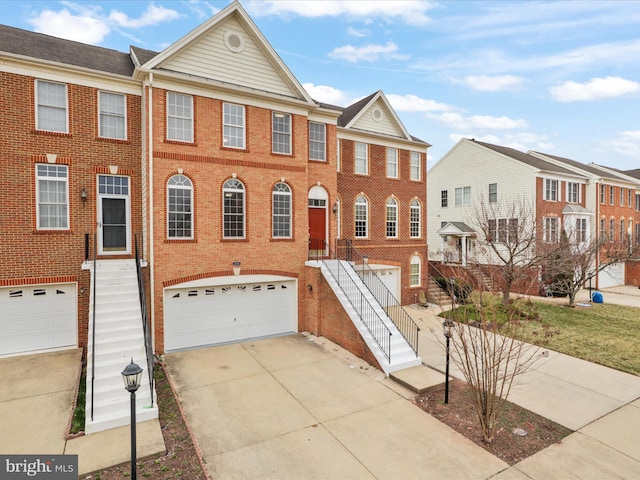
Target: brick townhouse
{"x":213,"y":160}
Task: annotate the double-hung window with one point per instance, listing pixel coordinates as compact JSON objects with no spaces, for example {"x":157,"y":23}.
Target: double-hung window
{"x":573,"y":192}
{"x":415,"y":274}
{"x":603,"y":230}
{"x":551,"y":190}
{"x":392,"y":218}
{"x":52,"y":192}
{"x":444,"y":198}
{"x":611,"y":194}
{"x":415,"y":170}
{"x":415,"y":229}
{"x":179,"y":117}
{"x":51,"y":107}
{"x":612,"y":229}
{"x":361,"y":217}
{"x":317,"y":141}
{"x":622,"y":196}
{"x":581,"y":230}
{"x":281,"y":226}
{"x":622,"y":222}
{"x":392,"y":162}
{"x":233,"y":202}
{"x":180,"y":207}
{"x":233,"y":121}
{"x":281,"y":133}
{"x":551,"y":229}
{"x":463,"y":196}
{"x":492,"y":230}
{"x":602,"y":193}
{"x":362,"y":159}
{"x":493,"y":193}
{"x":112,"y":119}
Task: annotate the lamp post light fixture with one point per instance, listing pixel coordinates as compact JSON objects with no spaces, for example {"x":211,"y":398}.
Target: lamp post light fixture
{"x":446,"y":329}
{"x":132,"y":375}
{"x":236,"y":268}
{"x":83,"y":195}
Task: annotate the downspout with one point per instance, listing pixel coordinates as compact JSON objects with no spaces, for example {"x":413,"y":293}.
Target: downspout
{"x":598,"y":233}
{"x":150,"y":185}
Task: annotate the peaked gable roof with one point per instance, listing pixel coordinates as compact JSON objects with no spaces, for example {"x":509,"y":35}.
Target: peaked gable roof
{"x":590,"y":168}
{"x":228,"y":48}
{"x":52,"y":49}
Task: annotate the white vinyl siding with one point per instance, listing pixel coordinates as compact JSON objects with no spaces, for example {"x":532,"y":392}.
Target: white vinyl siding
{"x":52,"y":107}
{"x":52,"y":193}
{"x":112,"y":118}
{"x":233,"y":120}
{"x":179,"y":117}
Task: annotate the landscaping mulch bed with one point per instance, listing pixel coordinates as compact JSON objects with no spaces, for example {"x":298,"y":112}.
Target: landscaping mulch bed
{"x":460,"y":415}
{"x":181,"y":459}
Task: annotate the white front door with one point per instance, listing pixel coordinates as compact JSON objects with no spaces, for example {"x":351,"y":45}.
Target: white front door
{"x":114,"y":226}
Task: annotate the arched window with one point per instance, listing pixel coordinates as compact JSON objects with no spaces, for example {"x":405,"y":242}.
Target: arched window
{"x":415,"y":271}
{"x":415,"y":219}
{"x":362,"y":217}
{"x":233,"y":202}
{"x":179,"y":207}
{"x":392,"y":218}
{"x":281,"y":217}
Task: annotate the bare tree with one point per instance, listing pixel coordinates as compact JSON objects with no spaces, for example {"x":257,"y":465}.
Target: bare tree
{"x":508,"y":242}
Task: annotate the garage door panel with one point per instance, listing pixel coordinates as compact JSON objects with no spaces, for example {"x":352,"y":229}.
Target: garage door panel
{"x":222,"y":314}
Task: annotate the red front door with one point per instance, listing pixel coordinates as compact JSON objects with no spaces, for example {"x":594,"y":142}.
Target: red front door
{"x":317,"y":228}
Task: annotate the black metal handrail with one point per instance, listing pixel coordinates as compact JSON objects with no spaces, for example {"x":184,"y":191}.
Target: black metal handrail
{"x":405,"y":324}
{"x":145,"y":320}
{"x":367,"y":313}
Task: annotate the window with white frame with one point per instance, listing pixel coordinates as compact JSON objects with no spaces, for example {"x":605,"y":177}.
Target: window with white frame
{"x":415,"y":227}
{"x":463,"y":196}
{"x":637,"y":202}
{"x":415,"y":275}
{"x":392,"y":162}
{"x":611,"y":194}
{"x":317,"y":141}
{"x":392,"y":218}
{"x":602,"y":193}
{"x":444,"y":198}
{"x":361,"y":217}
{"x":551,"y":190}
{"x":493,"y":193}
{"x":573,"y":192}
{"x":179,"y":117}
{"x":415,"y":170}
{"x":362,"y":158}
{"x":492,"y":230}
{"x":233,"y":201}
{"x":630,"y":229}
{"x":612,"y":229}
{"x":603,"y":230}
{"x":551,"y":233}
{"x":281,"y":210}
{"x":622,"y":232}
{"x":51,"y":107}
{"x":112,"y":119}
{"x":52,"y":193}
{"x":281,"y":133}
{"x":581,"y":230}
{"x":630,"y":197}
{"x":179,"y":207}
{"x":622,"y":196}
{"x":233,"y":126}
{"x":637,"y":232}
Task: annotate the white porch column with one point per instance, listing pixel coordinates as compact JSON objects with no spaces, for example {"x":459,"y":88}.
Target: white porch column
{"x":464,"y":251}
{"x":442,"y":249}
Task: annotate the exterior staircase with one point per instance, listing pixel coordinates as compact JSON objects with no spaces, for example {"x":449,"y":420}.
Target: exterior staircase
{"x":119,"y":337}
{"x":435,"y":294}
{"x":484,"y":281}
{"x":390,"y":348}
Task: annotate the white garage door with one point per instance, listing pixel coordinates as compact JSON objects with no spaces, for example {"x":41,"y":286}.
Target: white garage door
{"x":208,"y":315}
{"x":611,"y":276}
{"x":390,"y":277}
{"x":39,"y":317}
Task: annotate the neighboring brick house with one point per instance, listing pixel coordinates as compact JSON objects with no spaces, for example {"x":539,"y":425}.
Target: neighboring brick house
{"x":211,"y":156}
{"x":562,"y":195}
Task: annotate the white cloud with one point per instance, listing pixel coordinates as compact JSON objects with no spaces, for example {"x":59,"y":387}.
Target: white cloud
{"x":495,"y":83}
{"x":413,"y":103}
{"x":368,"y":53}
{"x":412,"y":12}
{"x":594,"y":89}
{"x":519,"y":141}
{"x":354,"y":32}
{"x":326,"y":94}
{"x":89,"y":24}
{"x":626,"y":144}
{"x":482,"y":122}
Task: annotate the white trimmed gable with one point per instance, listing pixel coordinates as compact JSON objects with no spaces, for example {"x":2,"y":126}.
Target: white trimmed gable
{"x":229,"y":48}
{"x":379,"y":117}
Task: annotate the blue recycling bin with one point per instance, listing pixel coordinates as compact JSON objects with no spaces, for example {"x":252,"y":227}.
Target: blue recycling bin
{"x":596,"y":297}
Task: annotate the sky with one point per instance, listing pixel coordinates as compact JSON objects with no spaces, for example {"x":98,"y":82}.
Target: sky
{"x":560,"y":77}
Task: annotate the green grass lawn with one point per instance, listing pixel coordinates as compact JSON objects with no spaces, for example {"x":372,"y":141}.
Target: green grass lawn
{"x":603,"y":333}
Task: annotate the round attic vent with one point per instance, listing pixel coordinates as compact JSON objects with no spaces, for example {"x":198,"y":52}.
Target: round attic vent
{"x":376,"y":114}
{"x":234,"y":41}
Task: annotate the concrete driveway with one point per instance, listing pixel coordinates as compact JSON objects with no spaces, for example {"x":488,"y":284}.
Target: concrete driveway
{"x":36,"y":401}
{"x":291,"y":408}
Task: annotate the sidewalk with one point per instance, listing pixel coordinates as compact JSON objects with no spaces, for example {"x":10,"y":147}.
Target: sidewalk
{"x":602,"y":405}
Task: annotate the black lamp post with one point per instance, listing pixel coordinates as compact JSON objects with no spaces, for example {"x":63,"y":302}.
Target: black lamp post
{"x":446,"y":329}
{"x":132,"y":375}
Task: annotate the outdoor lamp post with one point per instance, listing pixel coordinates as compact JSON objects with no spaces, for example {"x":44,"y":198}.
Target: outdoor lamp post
{"x":236,"y":268}
{"x":446,"y":329}
{"x":132,"y":375}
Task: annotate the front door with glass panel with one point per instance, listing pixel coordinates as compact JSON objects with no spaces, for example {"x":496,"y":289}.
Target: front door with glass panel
{"x":113,"y":215}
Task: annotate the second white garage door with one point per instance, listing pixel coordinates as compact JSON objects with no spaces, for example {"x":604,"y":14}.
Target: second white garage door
{"x":197,"y":314}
